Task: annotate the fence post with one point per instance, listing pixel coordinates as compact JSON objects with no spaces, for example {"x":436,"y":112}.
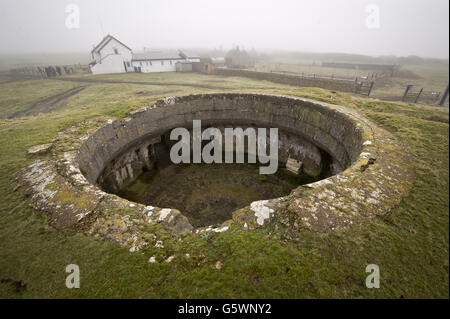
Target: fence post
{"x":418,"y":95}
{"x":408,"y":87}
{"x":444,"y":96}
{"x":370,"y":89}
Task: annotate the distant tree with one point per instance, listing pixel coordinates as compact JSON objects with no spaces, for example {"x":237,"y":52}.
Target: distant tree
{"x":237,"y":58}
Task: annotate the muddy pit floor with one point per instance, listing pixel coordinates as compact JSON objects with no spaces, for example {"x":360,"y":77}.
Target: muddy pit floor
{"x":208,"y":193}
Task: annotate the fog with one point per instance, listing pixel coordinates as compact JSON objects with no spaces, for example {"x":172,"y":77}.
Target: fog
{"x":401,"y":27}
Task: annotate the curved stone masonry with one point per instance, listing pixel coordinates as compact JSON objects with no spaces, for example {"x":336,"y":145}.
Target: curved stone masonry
{"x":128,"y":143}
{"x":142,"y":155}
{"x":373,"y":172}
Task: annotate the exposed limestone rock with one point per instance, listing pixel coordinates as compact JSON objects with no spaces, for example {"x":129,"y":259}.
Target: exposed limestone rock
{"x":51,"y":193}
{"x":262,"y":212}
{"x":220,"y":229}
{"x":39,"y":149}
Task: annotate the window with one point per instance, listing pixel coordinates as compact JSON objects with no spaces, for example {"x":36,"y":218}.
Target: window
{"x":116,"y":51}
{"x":162,"y":62}
{"x":128,"y":63}
{"x":140,"y":63}
{"x":170,"y":62}
{"x":150,"y":62}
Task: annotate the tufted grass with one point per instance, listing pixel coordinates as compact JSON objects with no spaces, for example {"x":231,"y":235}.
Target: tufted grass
{"x":410,"y":244}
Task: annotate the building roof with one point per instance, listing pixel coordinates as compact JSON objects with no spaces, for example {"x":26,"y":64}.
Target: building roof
{"x":189,"y":54}
{"x":104,"y":42}
{"x":150,"y":55}
{"x":157,"y":55}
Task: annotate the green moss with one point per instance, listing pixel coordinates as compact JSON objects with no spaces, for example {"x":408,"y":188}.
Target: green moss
{"x":80,"y":200}
{"x":52,"y":187}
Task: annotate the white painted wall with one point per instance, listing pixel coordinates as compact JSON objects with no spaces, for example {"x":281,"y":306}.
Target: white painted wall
{"x":111,"y":58}
{"x":111,"y":64}
{"x":156,"y":65}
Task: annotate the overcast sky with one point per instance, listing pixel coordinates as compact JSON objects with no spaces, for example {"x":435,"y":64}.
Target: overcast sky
{"x":404,"y":27}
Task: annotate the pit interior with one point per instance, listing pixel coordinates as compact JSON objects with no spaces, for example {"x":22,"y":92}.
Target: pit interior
{"x":131,"y":158}
{"x":207,"y":194}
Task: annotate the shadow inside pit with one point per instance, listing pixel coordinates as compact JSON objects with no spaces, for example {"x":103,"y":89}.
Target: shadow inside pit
{"x":207,"y":194}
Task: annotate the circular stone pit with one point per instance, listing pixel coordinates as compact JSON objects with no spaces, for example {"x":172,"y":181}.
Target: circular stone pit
{"x":74,"y":185}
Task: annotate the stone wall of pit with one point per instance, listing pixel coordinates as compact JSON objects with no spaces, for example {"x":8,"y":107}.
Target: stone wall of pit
{"x":144,"y":156}
{"x":119,"y":150}
{"x":377,"y":173}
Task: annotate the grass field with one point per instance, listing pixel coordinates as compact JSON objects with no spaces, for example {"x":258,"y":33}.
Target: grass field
{"x":20,"y":96}
{"x":410,"y":244}
{"x":429,"y":76}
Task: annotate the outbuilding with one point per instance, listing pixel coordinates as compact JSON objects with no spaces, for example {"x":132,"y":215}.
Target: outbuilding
{"x":183,"y":66}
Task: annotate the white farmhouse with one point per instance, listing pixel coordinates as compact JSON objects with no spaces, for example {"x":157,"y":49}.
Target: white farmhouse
{"x":161,"y":61}
{"x":112,"y":56}
{"x":156,"y":61}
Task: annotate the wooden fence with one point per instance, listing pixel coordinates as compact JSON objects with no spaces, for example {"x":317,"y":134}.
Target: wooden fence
{"x":412,"y":95}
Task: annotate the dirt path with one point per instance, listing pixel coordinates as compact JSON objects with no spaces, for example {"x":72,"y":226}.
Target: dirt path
{"x":49,"y":104}
{"x":54,"y":102}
